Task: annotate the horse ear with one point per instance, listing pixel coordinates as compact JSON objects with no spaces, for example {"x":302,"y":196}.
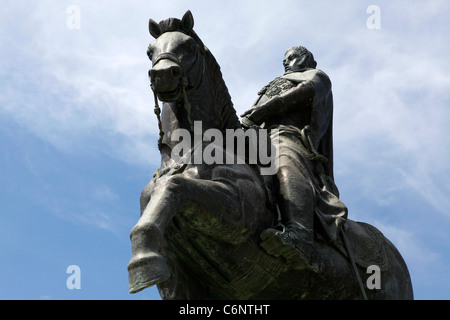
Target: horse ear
{"x":154,"y":28}
{"x":187,"y":22}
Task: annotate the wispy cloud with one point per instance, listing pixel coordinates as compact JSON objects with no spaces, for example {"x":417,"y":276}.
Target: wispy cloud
{"x":391,"y":111}
{"x":84,"y":203}
{"x":409,"y":245}
{"x":79,"y":88}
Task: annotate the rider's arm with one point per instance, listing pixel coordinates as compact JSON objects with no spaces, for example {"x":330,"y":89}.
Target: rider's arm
{"x":300,"y":96}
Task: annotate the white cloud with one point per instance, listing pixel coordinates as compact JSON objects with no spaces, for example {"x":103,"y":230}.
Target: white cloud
{"x":391,"y":113}
{"x":83,"y":205}
{"x":80,"y":88}
{"x":411,"y":248}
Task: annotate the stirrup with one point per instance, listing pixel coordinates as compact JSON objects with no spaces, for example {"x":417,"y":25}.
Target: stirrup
{"x":280,"y":243}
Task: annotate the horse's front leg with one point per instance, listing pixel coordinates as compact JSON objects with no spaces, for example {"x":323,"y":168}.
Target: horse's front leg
{"x":147,"y":266}
{"x":169,"y":195}
{"x":214,"y":206}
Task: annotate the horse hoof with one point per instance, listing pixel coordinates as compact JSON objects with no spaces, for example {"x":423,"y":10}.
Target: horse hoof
{"x":146,"y":271}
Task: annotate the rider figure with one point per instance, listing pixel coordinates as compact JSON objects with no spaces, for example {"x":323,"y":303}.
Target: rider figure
{"x":299,"y":104}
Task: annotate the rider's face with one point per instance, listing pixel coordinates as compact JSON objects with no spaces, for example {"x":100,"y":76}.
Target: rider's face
{"x":293,"y":61}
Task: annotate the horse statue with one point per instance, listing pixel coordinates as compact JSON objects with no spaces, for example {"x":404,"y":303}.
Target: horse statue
{"x":198,"y":236}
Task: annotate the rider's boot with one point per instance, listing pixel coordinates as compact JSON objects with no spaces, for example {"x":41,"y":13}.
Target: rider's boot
{"x":294,"y":241}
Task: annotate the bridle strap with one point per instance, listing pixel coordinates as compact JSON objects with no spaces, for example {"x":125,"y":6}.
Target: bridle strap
{"x":169,"y":56}
{"x":157,"y":111}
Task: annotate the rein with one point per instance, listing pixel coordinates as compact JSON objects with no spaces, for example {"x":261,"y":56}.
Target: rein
{"x":157,"y":111}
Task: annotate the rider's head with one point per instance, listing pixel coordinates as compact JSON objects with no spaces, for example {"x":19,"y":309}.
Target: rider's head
{"x":298,"y":58}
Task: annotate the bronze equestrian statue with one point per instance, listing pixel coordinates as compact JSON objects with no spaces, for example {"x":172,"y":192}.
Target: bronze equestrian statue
{"x":227,"y":231}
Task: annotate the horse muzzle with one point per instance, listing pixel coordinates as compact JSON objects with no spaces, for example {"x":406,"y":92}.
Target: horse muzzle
{"x":166,"y":80}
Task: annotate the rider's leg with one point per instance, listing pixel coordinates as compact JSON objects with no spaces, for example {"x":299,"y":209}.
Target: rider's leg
{"x":296,"y":202}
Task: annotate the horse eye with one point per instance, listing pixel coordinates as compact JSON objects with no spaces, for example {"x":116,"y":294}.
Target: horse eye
{"x":193,"y":49}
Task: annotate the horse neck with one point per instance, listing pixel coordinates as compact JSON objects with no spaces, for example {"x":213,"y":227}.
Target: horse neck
{"x":202,"y":104}
{"x":209,"y":103}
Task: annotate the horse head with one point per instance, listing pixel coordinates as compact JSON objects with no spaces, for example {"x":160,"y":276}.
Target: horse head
{"x":184,"y":72}
{"x":175,"y":56}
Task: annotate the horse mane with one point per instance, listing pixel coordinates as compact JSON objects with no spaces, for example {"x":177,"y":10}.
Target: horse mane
{"x":227,"y":113}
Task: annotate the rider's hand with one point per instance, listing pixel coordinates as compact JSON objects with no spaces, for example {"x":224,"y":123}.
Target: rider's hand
{"x":247,"y":123}
{"x":249,"y":111}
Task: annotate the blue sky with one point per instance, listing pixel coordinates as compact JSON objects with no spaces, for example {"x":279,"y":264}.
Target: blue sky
{"x":78,"y":134}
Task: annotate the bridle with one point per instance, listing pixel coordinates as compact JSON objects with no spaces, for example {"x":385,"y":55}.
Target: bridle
{"x":169,"y":56}
{"x":183,"y":83}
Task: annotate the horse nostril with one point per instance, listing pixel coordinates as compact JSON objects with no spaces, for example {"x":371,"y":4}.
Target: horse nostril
{"x":176,"y":71}
{"x":165,"y":77}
